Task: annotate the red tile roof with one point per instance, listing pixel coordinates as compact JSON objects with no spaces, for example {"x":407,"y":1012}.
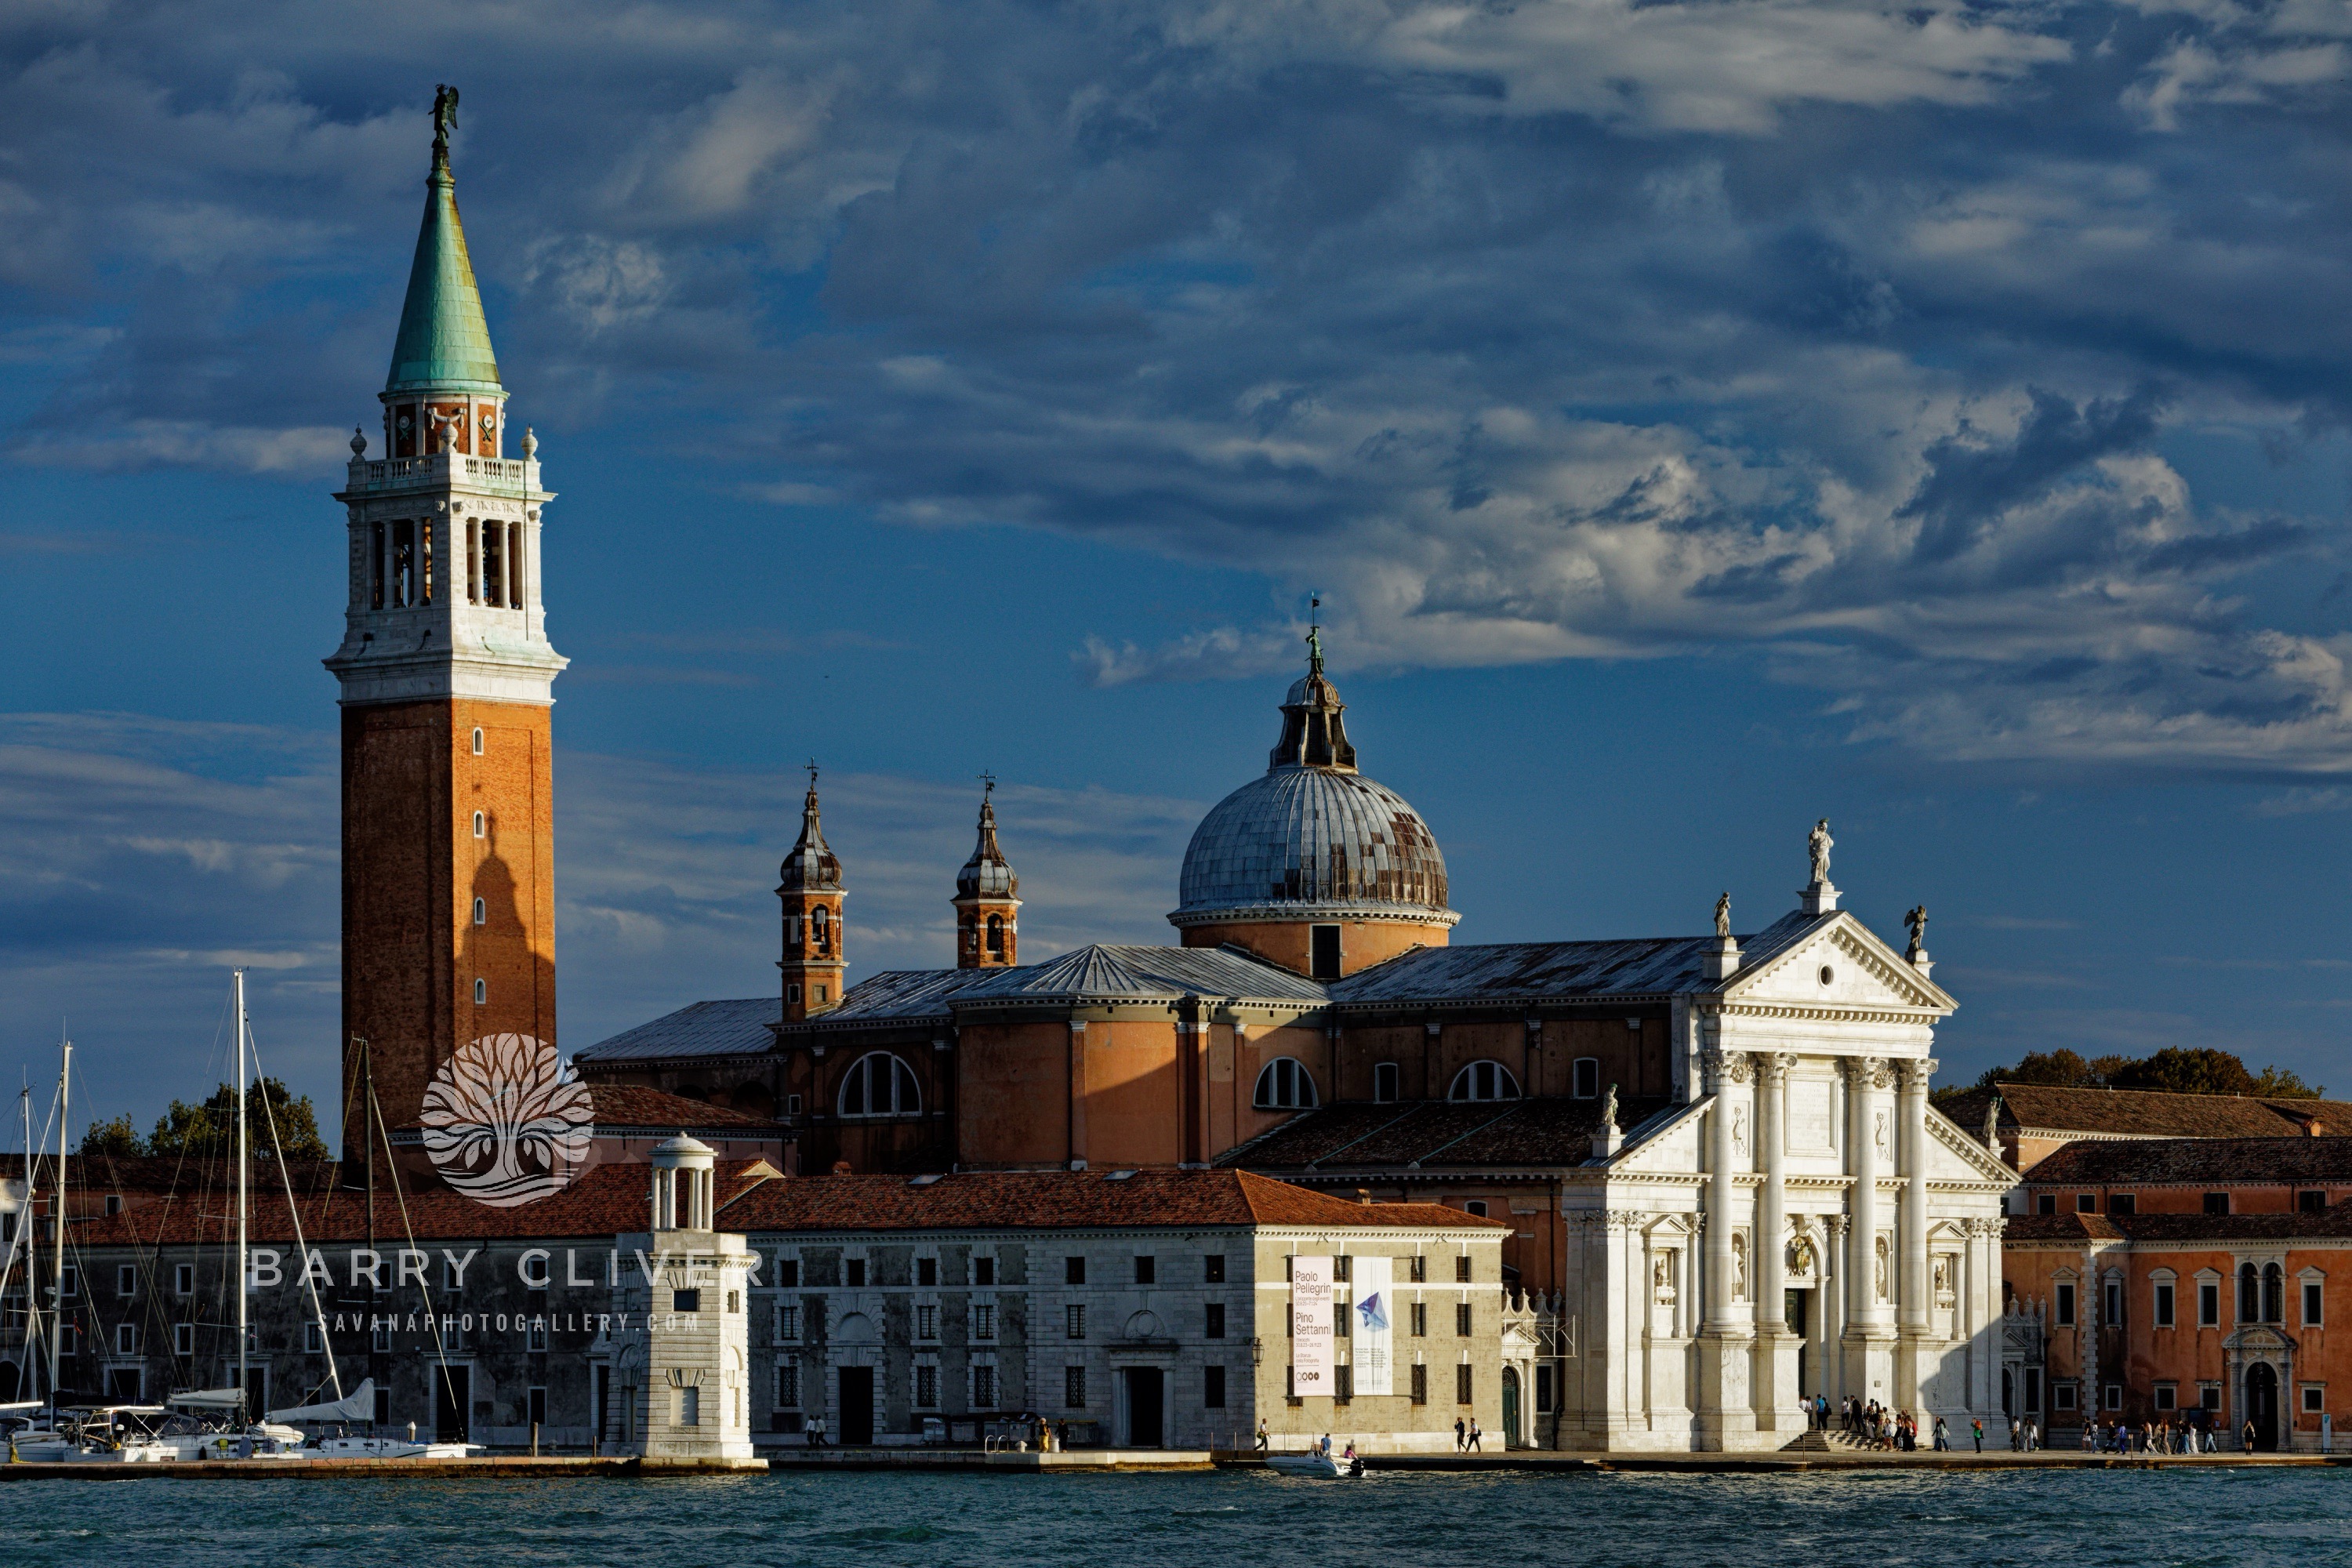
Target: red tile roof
{"x":1033,"y":1200}
{"x":2037,"y":1107}
{"x":2180,"y":1229}
{"x":2203,"y":1161}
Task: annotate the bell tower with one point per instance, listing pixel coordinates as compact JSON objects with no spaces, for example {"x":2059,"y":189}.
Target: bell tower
{"x":987,"y":933}
{"x":810,"y":887}
{"x":447,"y":678}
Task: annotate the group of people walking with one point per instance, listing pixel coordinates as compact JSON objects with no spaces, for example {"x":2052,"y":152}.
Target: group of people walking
{"x":2156,"y":1438}
{"x":1873,"y":1424}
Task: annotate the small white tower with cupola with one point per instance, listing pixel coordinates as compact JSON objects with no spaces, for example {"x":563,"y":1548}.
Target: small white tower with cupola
{"x":690,"y":1394}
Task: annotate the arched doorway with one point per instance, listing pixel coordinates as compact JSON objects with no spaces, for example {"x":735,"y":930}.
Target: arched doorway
{"x":2262,"y":1405}
{"x":1511,"y":1438}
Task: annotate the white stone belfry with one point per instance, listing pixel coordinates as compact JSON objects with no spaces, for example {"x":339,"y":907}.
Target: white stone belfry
{"x":1802,"y":1224}
{"x":688,"y":1394}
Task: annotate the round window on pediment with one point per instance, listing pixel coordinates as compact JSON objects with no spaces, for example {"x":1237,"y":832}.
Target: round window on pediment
{"x":1828,"y":975}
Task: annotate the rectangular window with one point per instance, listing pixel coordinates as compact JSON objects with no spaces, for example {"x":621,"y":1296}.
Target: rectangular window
{"x":1421,"y":1320}
{"x":1214,"y":1327}
{"x":2122,"y":1203}
{"x":380,"y":1337}
{"x":2046,"y":1204}
{"x":686,"y":1301}
{"x":2217,"y":1203}
{"x":184,"y":1338}
{"x":534,"y":1403}
{"x":788,"y":1322}
{"x":1584,"y":1077}
{"x":2208,"y":1304}
{"x":473,"y":561}
{"x":2312,"y":1304}
{"x":1461,"y":1320}
{"x":854,"y":1270}
{"x":2114,"y":1396}
{"x":1341,"y":1313}
{"x":689,"y":1408}
{"x":183,"y":1280}
{"x":1462,"y":1387}
{"x":126,"y":1280}
{"x":2086,"y":1203}
{"x":927,"y":1271}
{"x":1543,"y":1391}
{"x":1384,"y":1083}
{"x":788,"y":1273}
{"x":927,"y":1387}
{"x":1420,"y":1384}
{"x":2168,"y":1396}
{"x":2208,"y":1397}
{"x":1462,"y":1270}
{"x":2064,"y":1305}
{"x":1326,"y":953}
{"x":1212,"y":1267}
{"x":926,"y":1322}
{"x":1420,"y":1271}
{"x":514,"y":571}
{"x":2061,"y":1396}
{"x":70,"y":1286}
{"x":984,"y":1388}
{"x":983,"y":1271}
{"x":2315,"y":1398}
{"x":984,"y":1321}
{"x":314,"y":1338}
{"x":1147,"y":1269}
{"x":2163,"y":1305}
{"x":126,"y":1339}
{"x":1073,"y":1271}
{"x":2311,"y":1202}
{"x":1073,"y":1321}
{"x":1213,"y":1388}
{"x":1343,"y":1386}
{"x":1343,"y":1268}
{"x":2111,"y":1303}
{"x":1074,"y":1387}
{"x":788,"y":1385}
{"x":535,"y":1337}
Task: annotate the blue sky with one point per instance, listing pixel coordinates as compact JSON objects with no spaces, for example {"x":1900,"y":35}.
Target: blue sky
{"x":1699,"y":419}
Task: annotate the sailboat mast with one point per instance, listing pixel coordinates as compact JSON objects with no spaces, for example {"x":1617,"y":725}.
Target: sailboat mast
{"x":58,"y":1321}
{"x":32,"y":1234}
{"x":244,"y":1372}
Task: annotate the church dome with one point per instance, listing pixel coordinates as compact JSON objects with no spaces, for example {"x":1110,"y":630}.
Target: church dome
{"x":1312,"y":838}
{"x":1309,"y":840}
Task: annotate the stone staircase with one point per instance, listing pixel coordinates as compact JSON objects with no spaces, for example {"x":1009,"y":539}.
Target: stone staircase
{"x":1831,"y":1442}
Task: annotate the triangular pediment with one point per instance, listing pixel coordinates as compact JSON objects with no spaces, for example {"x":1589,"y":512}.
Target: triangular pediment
{"x":1955,"y":1156}
{"x":1831,"y":960}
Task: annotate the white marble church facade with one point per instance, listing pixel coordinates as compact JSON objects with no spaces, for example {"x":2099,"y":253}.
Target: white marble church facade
{"x":1804,"y":1222}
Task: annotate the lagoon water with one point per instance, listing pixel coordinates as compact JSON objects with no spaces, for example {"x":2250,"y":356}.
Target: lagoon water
{"x":2244,"y":1518}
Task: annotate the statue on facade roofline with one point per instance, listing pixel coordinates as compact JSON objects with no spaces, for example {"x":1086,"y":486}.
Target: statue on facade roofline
{"x":1723,"y":915}
{"x":445,"y":115}
{"x":1819,"y":844}
{"x":1918,"y":920}
{"x":1609,"y":1109}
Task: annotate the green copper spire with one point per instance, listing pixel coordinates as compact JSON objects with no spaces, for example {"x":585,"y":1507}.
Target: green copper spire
{"x":443,"y":342}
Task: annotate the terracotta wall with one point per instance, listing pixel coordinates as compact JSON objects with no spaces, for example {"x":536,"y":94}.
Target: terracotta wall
{"x":1362,"y":944}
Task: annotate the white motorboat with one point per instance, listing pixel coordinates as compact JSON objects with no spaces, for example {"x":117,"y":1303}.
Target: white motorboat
{"x":391,"y":1449}
{"x":1315,"y":1465}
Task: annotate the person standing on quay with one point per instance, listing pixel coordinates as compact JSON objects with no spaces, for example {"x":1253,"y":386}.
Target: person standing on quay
{"x":1976,"y":1430}
{"x":1475,"y":1436}
{"x":1461,"y":1437}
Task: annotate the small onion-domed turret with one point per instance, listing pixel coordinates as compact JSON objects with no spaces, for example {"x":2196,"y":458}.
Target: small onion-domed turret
{"x":987,"y":927}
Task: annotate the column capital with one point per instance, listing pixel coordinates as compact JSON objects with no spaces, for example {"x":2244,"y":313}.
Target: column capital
{"x":1724,"y":1066}
{"x":1915,"y":1072}
{"x":1866,"y":1072}
{"x":1772,"y":1066}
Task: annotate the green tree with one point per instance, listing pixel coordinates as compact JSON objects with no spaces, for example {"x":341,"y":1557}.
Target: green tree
{"x":117,"y":1138}
{"x":2060,"y":1069}
{"x":2284,"y":1083}
{"x":209,"y":1128}
{"x":2185,"y":1069}
{"x":2175,"y":1070}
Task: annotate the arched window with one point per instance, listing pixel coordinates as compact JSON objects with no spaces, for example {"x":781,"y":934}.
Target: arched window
{"x":820,"y":925}
{"x":481,"y":993}
{"x":478,"y":743}
{"x":996,"y":936}
{"x":1285,"y":1084}
{"x":481,"y":825}
{"x":481,"y":911}
{"x":2249,"y":1300}
{"x":1483,"y":1081}
{"x":879,"y":1084}
{"x":2273,"y":1295}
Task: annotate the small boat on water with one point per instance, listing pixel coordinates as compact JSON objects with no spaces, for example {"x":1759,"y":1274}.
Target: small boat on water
{"x":1317,"y":1466}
